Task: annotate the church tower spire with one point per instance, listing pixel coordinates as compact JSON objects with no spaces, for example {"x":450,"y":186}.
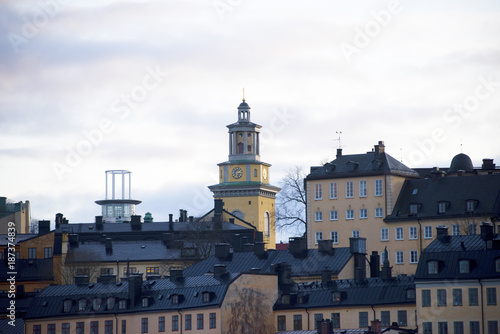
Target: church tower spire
{"x":244,"y":136}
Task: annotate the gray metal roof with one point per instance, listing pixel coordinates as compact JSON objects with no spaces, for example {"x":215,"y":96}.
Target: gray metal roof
{"x":29,"y":270}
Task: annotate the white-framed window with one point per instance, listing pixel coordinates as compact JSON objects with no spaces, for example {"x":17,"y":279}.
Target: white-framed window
{"x":333,"y":190}
{"x":318,"y":236}
{"x":318,"y":216}
{"x":399,"y":233}
{"x":355,"y":233}
{"x":334,"y":215}
{"x":464,"y":266}
{"x":363,"y":213}
{"x":470,"y":205}
{"x":334,"y":236}
{"x":378,"y":187}
{"x":349,"y":214}
{"x":384,"y":234}
{"x":455,"y":229}
{"x":400,"y":257}
{"x":383,"y":255}
{"x":318,"y":191}
{"x":472,"y":229}
{"x":432,"y":267}
{"x":441,"y":207}
{"x":413,"y":235}
{"x":427,"y":232}
{"x":362,"y":189}
{"x":413,"y":256}
{"x":413,"y":209}
{"x":349,"y":189}
{"x":379,"y":212}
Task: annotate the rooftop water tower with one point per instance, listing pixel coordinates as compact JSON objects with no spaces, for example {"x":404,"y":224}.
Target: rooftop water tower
{"x":118,"y":206}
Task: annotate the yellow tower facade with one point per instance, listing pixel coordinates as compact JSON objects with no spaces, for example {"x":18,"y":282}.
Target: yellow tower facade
{"x":244,"y":180}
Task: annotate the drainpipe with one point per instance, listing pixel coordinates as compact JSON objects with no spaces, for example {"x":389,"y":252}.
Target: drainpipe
{"x":116,"y":321}
{"x":420,"y":236}
{"x":482,"y":307}
{"x":374,"y":316}
{"x":117,"y":270}
{"x":180,"y":320}
{"x":307,"y":319}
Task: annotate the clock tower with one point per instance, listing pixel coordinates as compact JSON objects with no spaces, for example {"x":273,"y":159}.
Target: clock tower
{"x":244,"y":179}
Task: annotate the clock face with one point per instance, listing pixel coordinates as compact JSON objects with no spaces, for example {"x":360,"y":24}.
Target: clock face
{"x":237,"y":172}
{"x":264,"y":174}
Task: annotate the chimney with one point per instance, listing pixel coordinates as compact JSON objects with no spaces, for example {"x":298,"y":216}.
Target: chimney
{"x":325,"y":327}
{"x":43,"y":227}
{"x":106,"y":279}
{"x":99,"y":223}
{"x":218,"y":209}
{"x":109,"y":246}
{"x":442,"y":233}
{"x":223,"y":251}
{"x":260,"y":249}
{"x":82,"y":280}
{"x":170,"y":222}
{"x":374,"y":264}
{"x":134,"y":288}
{"x":359,"y":268}
{"x":220,"y":270}
{"x":3,"y":204}
{"x":135,"y":222}
{"x":487,"y":232}
{"x":339,"y":153}
{"x":488,"y":164}
{"x":236,"y":243}
{"x":380,"y":148}
{"x":176,"y":275}
{"x":73,"y":240}
{"x":386,"y":268}
{"x":59,"y":219}
{"x":297,"y":247}
{"x":326,"y":277}
{"x":182,"y":216}
{"x":376,"y":326}
{"x":325,"y":246}
{"x":191,"y":219}
{"x":284,"y":271}
{"x":248,"y":247}
{"x":357,"y":245}
{"x":167,"y":239}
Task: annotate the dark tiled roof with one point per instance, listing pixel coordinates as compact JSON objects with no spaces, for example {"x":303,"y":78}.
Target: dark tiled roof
{"x":450,"y":251}
{"x":455,"y":191}
{"x":355,"y":165}
{"x":49,"y":302}
{"x":20,"y":237}
{"x":312,"y":264}
{"x":29,"y":270}
{"x":373,"y":291}
{"x":6,"y":328}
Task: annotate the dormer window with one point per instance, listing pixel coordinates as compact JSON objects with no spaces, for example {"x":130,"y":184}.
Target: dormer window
{"x":351,"y":165}
{"x":433,"y":267}
{"x":285,"y":299}
{"x":413,"y":209}
{"x":145,"y":302}
{"x":442,"y":206}
{"x":122,"y":304}
{"x":470,"y":205}
{"x":206,"y":297}
{"x":410,"y":294}
{"x":82,"y":305}
{"x":110,"y":303}
{"x":336,"y":297}
{"x":96,"y":304}
{"x":464,"y":266}
{"x":175,"y":300}
{"x":67,"y":305}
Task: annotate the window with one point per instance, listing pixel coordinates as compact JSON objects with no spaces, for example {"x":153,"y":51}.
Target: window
{"x":427,"y":327}
{"x":80,"y":327}
{"x":402,"y":318}
{"x":355,"y":234}
{"x":334,"y":236}
{"x":133,"y":270}
{"x":349,"y":190}
{"x":362,"y":188}
{"x":106,"y":271}
{"x":297,"y":322}
{"x":281,"y":323}
{"x":318,"y":236}
{"x":96,"y":303}
{"x":333,"y":190}
{"x":318,"y":216}
{"x":464,"y":266}
{"x":94,"y":327}
{"x":65,"y":328}
{"x":363,"y":319}
{"x":441,"y":207}
{"x":400,"y":258}
{"x":379,"y":213}
{"x":491,"y":296}
{"x":334,"y":215}
{"x":426,"y":298}
{"x":363,"y":213}
{"x":199,"y":321}
{"x":427,"y":232}
{"x":413,"y":209}
{"x":349,"y":214}
{"x":285,"y":299}
{"x":318,"y":191}
{"x":384,"y":234}
{"x":492,"y":327}
{"x":458,"y":327}
{"x":399,"y":233}
{"x":266,"y":223}
{"x":442,"y":327}
{"x":473,"y":297}
{"x":83,"y":271}
{"x":67,"y":305}
{"x":124,"y":326}
{"x":108,"y":327}
{"x":410,"y":294}
{"x":145,"y":302}
{"x":161,"y":324}
{"x":175,"y":299}
{"x":31,"y":253}
{"x":47,"y":252}
{"x":144,"y":325}
{"x":432,"y":267}
{"x":37,"y":329}
{"x":441,"y":294}
{"x":378,"y":188}
{"x":413,"y":233}
{"x":413,"y":256}
{"x":122,"y":304}
{"x":457,"y":297}
{"x":385,"y":318}
{"x":336,"y":320}
{"x":187,"y":322}
{"x":51,"y":329}
{"x":455,"y":229}
{"x":175,"y":323}
{"x":470,"y":205}
{"x":206,"y":297}
{"x":212,"y":320}
{"x":474,"y":327}
{"x":318,"y":317}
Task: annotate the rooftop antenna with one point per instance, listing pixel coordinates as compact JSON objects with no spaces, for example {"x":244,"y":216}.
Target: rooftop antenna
{"x":401,"y":149}
{"x":461,"y":145}
{"x":339,"y":133}
{"x":243,"y":94}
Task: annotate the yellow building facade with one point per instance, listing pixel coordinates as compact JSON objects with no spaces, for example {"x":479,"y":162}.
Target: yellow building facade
{"x":244,"y":180}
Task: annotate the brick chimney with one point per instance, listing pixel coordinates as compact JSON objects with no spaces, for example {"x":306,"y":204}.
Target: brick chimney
{"x":380,"y":148}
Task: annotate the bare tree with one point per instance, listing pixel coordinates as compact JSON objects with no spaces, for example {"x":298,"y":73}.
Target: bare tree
{"x":249,"y":313}
{"x":79,"y":263}
{"x":291,"y":202}
{"x":33,"y":225}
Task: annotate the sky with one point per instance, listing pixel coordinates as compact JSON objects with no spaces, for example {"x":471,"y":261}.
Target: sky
{"x":149,"y":87}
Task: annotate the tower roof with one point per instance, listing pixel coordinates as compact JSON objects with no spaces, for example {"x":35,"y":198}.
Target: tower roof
{"x":461,"y":162}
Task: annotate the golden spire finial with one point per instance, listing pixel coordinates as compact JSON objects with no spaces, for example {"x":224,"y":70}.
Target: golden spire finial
{"x":243,"y":94}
